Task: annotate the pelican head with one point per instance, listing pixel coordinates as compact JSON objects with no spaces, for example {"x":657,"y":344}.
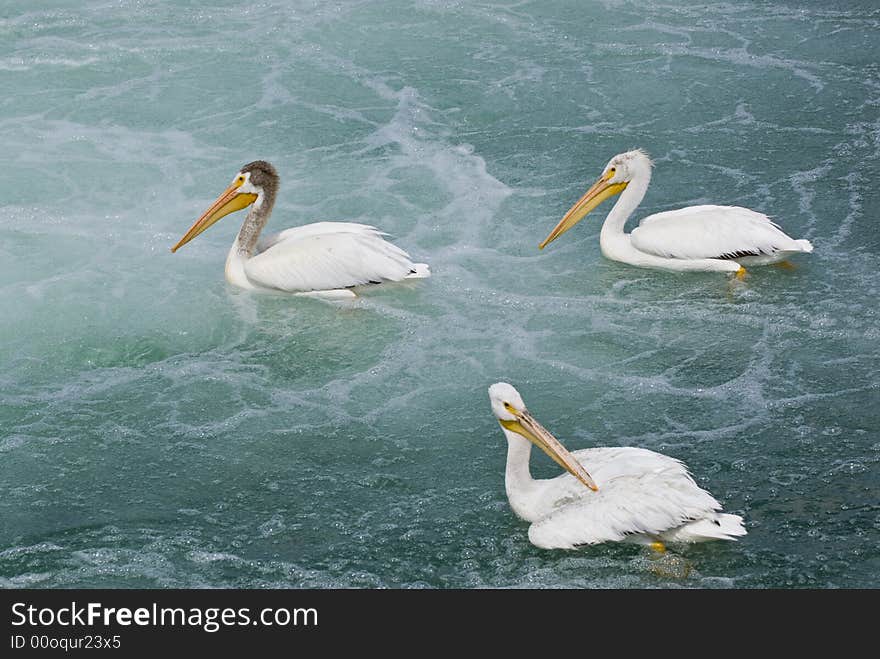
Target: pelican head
{"x":618,"y":173}
{"x":513,"y":416}
{"x":256,"y":183}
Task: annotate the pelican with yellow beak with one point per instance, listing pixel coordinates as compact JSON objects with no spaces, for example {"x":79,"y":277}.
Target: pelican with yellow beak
{"x":629,"y":494}
{"x":697,"y":238}
{"x":324,"y":259}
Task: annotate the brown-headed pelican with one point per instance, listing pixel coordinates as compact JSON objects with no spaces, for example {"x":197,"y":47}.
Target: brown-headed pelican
{"x":324,"y":259}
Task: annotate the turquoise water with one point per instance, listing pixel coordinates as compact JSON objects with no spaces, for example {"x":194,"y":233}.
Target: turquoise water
{"x":159,"y":428}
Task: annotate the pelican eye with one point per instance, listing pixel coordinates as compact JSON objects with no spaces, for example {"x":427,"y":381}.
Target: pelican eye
{"x":240,"y":179}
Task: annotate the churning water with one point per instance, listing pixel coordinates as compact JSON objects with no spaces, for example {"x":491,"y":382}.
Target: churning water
{"x":159,"y":428}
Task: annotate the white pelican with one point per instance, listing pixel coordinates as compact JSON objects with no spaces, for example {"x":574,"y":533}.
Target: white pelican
{"x":696,"y":238}
{"x":633,"y":494}
{"x":324,"y":259}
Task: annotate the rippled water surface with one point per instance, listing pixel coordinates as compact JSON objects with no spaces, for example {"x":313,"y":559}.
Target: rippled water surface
{"x":159,"y":428}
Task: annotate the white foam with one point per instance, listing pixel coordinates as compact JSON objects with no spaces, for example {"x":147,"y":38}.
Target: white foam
{"x":162,"y":430}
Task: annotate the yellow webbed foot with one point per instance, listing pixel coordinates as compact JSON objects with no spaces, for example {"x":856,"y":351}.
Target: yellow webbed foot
{"x":786,"y":265}
{"x":741,"y":273}
{"x":671,"y":566}
{"x":667,"y":564}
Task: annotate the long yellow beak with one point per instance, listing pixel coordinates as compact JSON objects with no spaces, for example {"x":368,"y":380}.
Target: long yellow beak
{"x":526,"y":425}
{"x":599,"y":192}
{"x":230,"y":201}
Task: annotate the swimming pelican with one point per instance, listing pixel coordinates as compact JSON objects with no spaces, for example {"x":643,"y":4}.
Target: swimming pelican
{"x":324,"y":259}
{"x":696,"y":238}
{"x":630,"y":494}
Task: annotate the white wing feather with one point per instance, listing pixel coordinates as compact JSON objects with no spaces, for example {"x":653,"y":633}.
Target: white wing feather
{"x":316,"y":229}
{"x":327,"y":255}
{"x":640,"y":491}
{"x":706,"y":232}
